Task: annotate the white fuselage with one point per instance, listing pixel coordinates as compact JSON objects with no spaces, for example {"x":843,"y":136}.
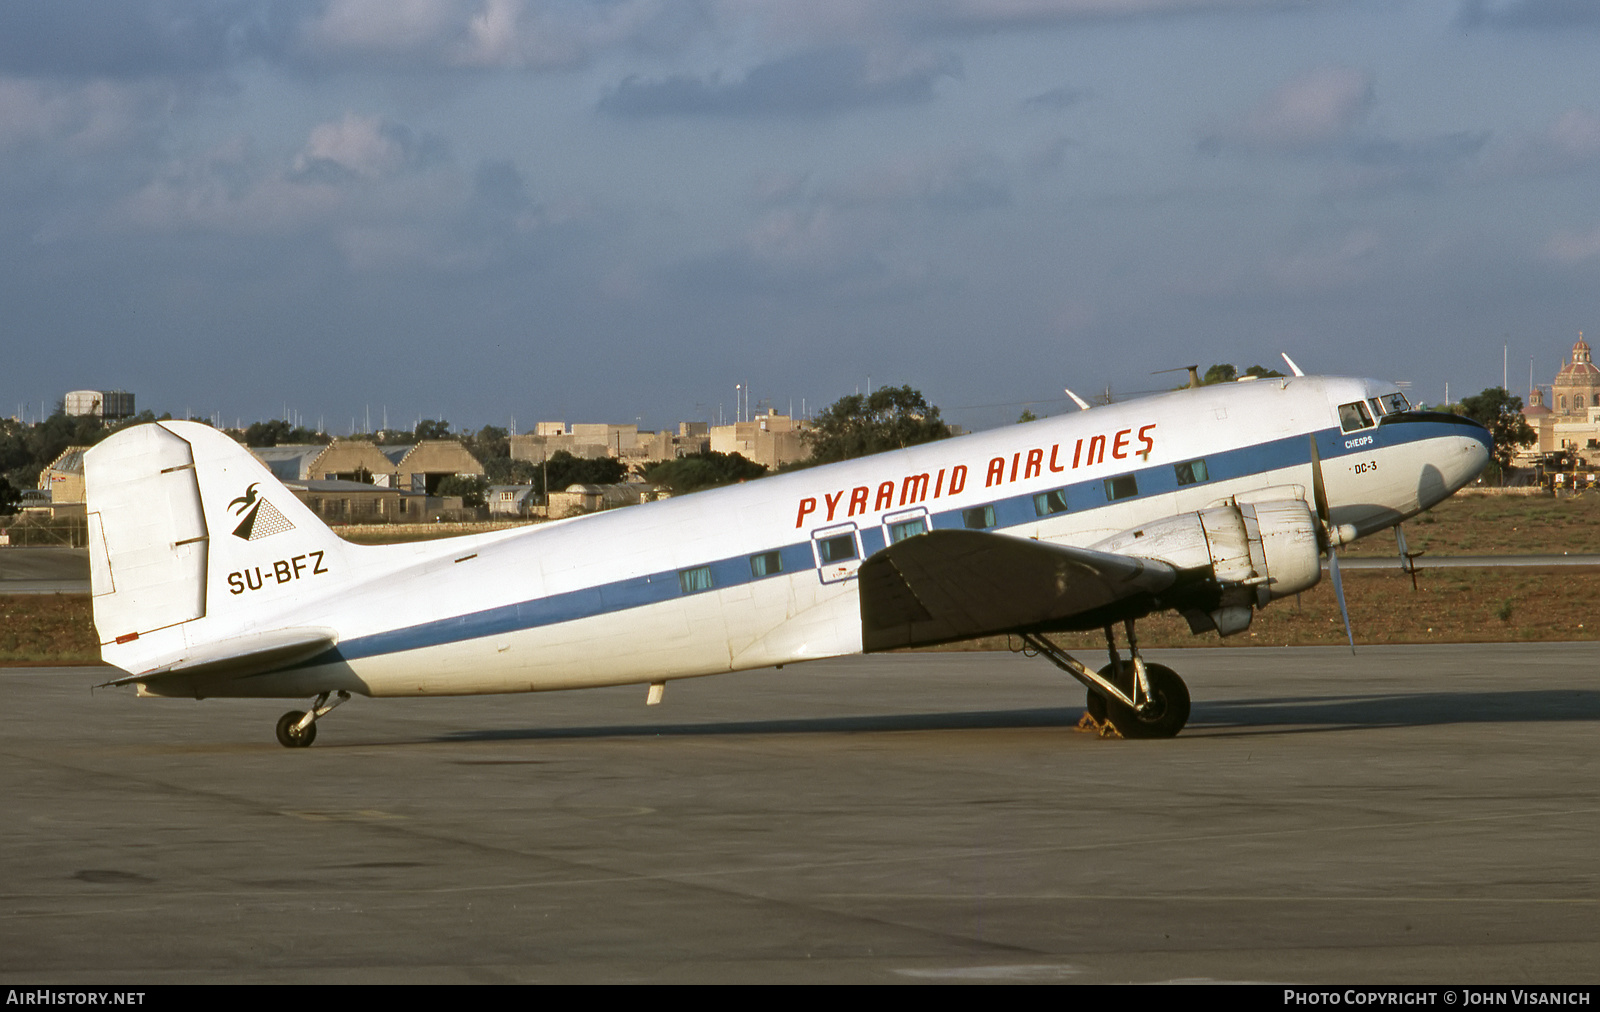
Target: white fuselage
{"x":669,"y":589}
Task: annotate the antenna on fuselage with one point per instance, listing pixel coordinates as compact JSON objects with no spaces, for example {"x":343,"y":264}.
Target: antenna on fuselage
{"x":1290,"y":363}
{"x":1082,"y":404}
{"x":1192,"y":370}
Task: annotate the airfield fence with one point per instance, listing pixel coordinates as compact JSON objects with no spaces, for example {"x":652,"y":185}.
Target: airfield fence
{"x":68,"y":532}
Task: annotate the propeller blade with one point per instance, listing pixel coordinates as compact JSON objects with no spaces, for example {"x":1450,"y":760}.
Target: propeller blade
{"x":1338,"y":592}
{"x":1319,"y":495}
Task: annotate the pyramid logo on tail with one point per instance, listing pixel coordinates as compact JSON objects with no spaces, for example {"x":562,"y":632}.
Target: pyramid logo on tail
{"x":260,"y":520}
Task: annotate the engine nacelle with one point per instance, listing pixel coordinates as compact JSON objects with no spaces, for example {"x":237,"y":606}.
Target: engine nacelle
{"x":1256,"y":552}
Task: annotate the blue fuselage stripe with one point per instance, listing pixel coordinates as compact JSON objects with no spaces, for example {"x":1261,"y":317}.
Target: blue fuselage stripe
{"x":1011,"y":511}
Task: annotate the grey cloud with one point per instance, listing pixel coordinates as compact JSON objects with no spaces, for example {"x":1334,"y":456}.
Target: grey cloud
{"x":815,"y":82}
{"x":1426,"y":153}
{"x":1057,"y":99}
{"x":127,"y":39}
{"x":991,"y":15}
{"x":367,"y":147}
{"x":1530,"y":13}
{"x":1314,"y":110}
{"x":498,"y":184}
{"x":489,"y":34}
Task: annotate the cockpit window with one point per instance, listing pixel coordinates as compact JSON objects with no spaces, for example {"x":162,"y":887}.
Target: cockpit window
{"x":1354,"y":416}
{"x":1393,"y":403}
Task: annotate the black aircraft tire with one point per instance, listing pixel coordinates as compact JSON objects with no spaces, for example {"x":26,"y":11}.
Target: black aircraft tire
{"x":288,"y":737}
{"x":1169,"y":710}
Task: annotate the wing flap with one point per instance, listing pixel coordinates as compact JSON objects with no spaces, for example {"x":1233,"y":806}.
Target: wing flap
{"x":952,"y":585}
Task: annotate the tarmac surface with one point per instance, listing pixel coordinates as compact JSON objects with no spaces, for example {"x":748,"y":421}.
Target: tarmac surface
{"x":1423,"y":814}
{"x":44,"y":570}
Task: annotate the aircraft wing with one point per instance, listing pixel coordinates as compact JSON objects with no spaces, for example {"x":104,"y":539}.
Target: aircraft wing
{"x":954,"y":584}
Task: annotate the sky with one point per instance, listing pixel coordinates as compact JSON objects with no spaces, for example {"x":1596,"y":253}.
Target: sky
{"x":510,"y":211}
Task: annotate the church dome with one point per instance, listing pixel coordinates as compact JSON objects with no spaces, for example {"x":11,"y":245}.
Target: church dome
{"x":1577,"y":386}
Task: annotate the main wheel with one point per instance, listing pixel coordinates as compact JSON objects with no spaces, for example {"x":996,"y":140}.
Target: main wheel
{"x":1163,"y":716}
{"x":288,"y":737}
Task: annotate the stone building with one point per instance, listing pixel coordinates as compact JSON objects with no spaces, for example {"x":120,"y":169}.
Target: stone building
{"x":1577,"y":386}
{"x":63,"y":479}
{"x":409,"y":467}
{"x":771,"y":440}
{"x":1571,"y":417}
{"x":354,"y":460}
{"x":592,"y":441}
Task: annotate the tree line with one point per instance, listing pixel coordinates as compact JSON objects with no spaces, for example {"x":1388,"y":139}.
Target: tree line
{"x":856,"y":425}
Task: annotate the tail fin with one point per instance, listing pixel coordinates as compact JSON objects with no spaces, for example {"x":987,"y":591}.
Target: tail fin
{"x":195,"y":549}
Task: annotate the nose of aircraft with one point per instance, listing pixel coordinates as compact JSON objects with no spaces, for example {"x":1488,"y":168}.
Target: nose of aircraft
{"x":1473,"y":445}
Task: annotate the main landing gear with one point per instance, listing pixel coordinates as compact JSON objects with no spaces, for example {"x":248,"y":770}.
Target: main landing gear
{"x":1131,"y":697}
{"x":298,"y":728}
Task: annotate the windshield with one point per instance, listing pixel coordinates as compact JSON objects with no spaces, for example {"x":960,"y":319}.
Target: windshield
{"x":1390,"y":404}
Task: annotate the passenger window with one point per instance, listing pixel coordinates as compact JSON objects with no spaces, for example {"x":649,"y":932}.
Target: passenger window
{"x":838,"y":549}
{"x":1354,"y":416}
{"x":1121,"y":488}
{"x":906,"y":529}
{"x":695,"y":580}
{"x":766,"y":564}
{"x":1192,"y":472}
{"x":1050,"y":503}
{"x":978,"y":517}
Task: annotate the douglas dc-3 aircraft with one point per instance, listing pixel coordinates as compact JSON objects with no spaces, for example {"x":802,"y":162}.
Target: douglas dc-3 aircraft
{"x":210,"y":579}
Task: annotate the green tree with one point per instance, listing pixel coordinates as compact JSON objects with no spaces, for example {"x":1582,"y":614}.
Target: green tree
{"x":9,"y":497}
{"x":278,"y":432}
{"x":889,"y":418}
{"x":1500,"y":413}
{"x":696,"y":471}
{"x":1027,"y":416}
{"x":470,"y":488}
{"x":428,"y":428}
{"x":564,"y":469}
{"x":1224,"y":373}
{"x":489,"y":443}
{"x":505,"y":471}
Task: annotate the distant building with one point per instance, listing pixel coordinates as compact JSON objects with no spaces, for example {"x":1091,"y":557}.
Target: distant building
{"x":593,"y":441}
{"x":354,"y":502}
{"x":356,"y":460}
{"x":427,"y":463}
{"x":107,"y":404}
{"x":408,"y":467}
{"x":290,"y":461}
{"x":576,"y":500}
{"x":1571,"y":418}
{"x":63,"y":481}
{"x":771,"y":440}
{"x":512,"y":501}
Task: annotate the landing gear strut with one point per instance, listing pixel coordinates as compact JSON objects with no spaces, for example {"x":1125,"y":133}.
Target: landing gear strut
{"x":1137,"y":699}
{"x":298,"y":728}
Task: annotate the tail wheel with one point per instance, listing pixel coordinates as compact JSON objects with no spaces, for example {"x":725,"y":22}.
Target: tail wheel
{"x":1162,"y":717}
{"x":289,"y":736}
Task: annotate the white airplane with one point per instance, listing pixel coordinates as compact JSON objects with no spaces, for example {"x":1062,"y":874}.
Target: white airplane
{"x":210,"y":579}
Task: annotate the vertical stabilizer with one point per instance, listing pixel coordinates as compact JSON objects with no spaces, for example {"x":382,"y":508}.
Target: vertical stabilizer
{"x":193,"y":543}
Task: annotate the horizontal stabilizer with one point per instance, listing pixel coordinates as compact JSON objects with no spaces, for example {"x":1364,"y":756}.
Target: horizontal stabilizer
{"x":242,"y":656}
{"x":951,"y":585}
